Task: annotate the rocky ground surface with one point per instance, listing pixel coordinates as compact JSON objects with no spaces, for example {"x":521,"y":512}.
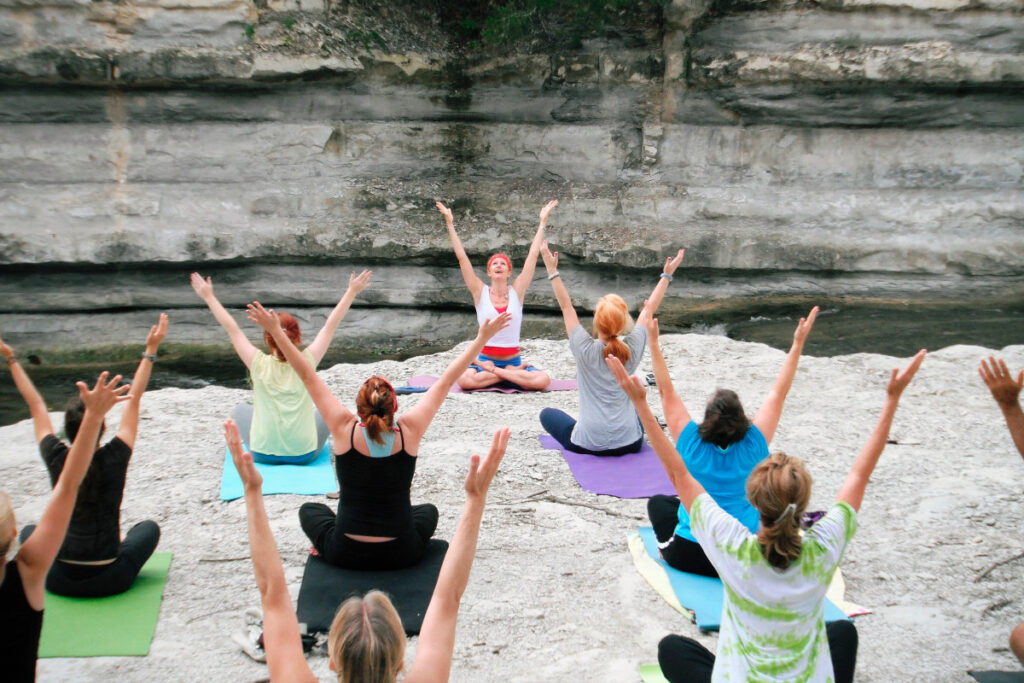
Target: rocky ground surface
{"x":553,"y":593}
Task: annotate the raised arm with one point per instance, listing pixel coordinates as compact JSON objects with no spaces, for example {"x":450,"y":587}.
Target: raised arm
{"x":852,"y":491}
{"x":416,"y":421}
{"x":686,"y":486}
{"x":652,"y":303}
{"x":356,"y":284}
{"x":281,"y":639}
{"x":522,"y":282}
{"x":1006,"y":391}
{"x":34,"y":401}
{"x":130,"y":418}
{"x":40,"y":549}
{"x":767,"y":418}
{"x":335,"y":414}
{"x":474,"y":283}
{"x":243,"y":347}
{"x":437,"y":637}
{"x":569,"y":316}
{"x":676,"y":414}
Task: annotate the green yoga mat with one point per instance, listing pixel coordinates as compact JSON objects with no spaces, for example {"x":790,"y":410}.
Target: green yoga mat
{"x":651,"y":673}
{"x":98,"y":627}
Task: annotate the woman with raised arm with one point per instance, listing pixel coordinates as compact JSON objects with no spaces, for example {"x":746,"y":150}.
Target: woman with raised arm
{"x":25,"y":568}
{"x":366,"y":641}
{"x":608,"y":425}
{"x":720,"y":452}
{"x":774,"y":603}
{"x":376,"y":526}
{"x":500,"y":362}
{"x":280,"y":426}
{"x":94,"y":561}
{"x":1006,"y":391}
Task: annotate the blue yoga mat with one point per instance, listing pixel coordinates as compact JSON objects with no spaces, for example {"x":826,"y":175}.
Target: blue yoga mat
{"x":314,"y":478}
{"x":703,"y":594}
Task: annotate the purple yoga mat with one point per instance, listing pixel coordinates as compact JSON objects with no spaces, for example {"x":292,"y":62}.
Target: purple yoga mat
{"x":556,"y":385}
{"x":634,"y":475}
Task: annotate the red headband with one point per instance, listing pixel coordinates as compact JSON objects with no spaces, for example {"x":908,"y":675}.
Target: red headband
{"x":508,"y":261}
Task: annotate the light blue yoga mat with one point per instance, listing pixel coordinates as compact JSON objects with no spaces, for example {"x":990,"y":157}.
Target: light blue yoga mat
{"x":314,"y":478}
{"x":703,"y":594}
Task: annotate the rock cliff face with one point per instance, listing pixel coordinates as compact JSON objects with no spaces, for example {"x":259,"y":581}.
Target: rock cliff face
{"x":859,"y":151}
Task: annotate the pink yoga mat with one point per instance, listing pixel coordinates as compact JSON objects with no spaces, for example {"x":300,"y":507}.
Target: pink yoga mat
{"x":634,"y":475}
{"x":556,"y":385}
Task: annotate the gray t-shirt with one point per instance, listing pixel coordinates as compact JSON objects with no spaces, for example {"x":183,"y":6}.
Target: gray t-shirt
{"x":607,"y":418}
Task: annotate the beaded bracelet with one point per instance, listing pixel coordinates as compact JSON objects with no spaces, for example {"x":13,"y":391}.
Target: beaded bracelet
{"x":666,"y":276}
{"x":150,"y":356}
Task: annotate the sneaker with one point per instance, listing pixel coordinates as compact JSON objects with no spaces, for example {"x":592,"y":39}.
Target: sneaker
{"x":250,"y":641}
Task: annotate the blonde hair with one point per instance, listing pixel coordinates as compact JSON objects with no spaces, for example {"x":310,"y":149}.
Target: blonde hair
{"x":366,"y":643}
{"x":778,"y":482}
{"x":6,"y":524}
{"x":611,"y":319}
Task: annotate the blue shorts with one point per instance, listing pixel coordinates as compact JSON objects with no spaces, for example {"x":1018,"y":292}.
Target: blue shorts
{"x":516,"y":362}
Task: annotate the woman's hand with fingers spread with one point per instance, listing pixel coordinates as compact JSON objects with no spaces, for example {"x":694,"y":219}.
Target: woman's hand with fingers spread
{"x":449,"y":219}
{"x":672,"y":262}
{"x":546,"y":211}
{"x":996,"y":375}
{"x":631,"y":384}
{"x":358,"y":283}
{"x":104,"y":395}
{"x":265,"y":318}
{"x":481,"y":470}
{"x":204,"y":288}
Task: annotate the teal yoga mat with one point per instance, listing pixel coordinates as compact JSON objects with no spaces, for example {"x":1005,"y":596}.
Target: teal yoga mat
{"x":311,"y":479}
{"x":120,"y":625}
{"x":702,"y":594}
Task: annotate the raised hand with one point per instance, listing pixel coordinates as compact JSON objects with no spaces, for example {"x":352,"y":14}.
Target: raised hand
{"x":358,"y":283}
{"x":631,"y":384}
{"x":491,"y":327}
{"x":652,"y":330}
{"x":481,"y":471}
{"x":267,"y":319}
{"x":449,"y":219}
{"x":550,"y":259}
{"x":156,"y":334}
{"x":251,"y":477}
{"x":899,"y":380}
{"x":1005,"y":390}
{"x":104,"y":395}
{"x":672,"y":262}
{"x":6,"y":350}
{"x":803,"y":328}
{"x":546,"y":211}
{"x":204,"y":288}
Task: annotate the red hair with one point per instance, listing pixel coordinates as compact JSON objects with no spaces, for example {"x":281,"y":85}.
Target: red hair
{"x":291,"y":328}
{"x":611,"y":318}
{"x":376,"y":404}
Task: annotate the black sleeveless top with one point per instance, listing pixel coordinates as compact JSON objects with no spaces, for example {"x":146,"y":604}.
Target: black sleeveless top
{"x":375,"y":491}
{"x":20,"y":626}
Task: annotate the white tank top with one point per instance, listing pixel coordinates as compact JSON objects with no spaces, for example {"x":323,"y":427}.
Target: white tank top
{"x":485,"y":310}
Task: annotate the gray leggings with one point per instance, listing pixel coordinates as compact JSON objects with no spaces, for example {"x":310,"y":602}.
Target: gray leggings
{"x":242,"y":415}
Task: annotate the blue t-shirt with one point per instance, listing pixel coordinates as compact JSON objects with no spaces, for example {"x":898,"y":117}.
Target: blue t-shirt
{"x":723,"y":473}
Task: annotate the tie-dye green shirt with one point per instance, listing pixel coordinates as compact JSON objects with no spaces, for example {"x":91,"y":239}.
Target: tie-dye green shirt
{"x":773,"y":626}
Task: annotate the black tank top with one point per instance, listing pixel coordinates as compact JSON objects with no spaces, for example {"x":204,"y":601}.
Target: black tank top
{"x":375,"y":491}
{"x":20,"y":626}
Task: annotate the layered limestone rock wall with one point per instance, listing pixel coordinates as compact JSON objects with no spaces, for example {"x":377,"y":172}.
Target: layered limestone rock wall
{"x":865,"y":152}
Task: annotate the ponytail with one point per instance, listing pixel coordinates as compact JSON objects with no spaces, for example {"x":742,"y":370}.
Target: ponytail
{"x":780,"y":489}
{"x":376,"y":404}
{"x":611,"y":319}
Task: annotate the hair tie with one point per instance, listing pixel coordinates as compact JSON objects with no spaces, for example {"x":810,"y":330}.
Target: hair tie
{"x":790,"y":509}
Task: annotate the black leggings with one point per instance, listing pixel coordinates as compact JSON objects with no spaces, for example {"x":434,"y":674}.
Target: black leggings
{"x":101,"y":580}
{"x":320,"y":524}
{"x":681,"y":553}
{"x":684,"y":660}
{"x":559,"y":425}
